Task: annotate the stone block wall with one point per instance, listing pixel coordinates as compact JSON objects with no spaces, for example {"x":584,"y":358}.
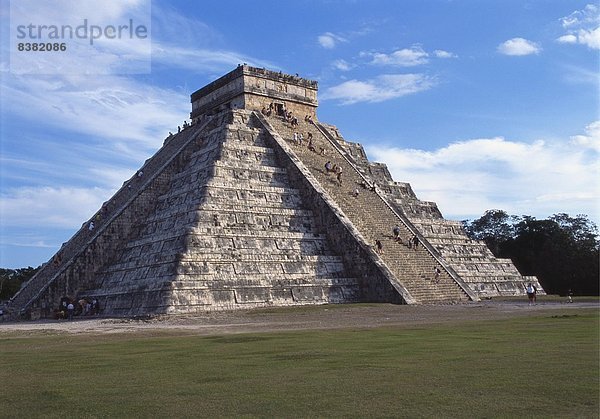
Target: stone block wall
{"x":253,"y":88}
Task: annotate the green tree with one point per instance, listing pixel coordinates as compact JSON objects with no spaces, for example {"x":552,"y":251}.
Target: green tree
{"x":494,"y":227}
{"x":12,"y":279}
{"x":583,"y":231}
{"x":562,"y":251}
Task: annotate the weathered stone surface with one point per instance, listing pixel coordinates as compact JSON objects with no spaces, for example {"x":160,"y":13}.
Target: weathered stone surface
{"x":232,"y":213}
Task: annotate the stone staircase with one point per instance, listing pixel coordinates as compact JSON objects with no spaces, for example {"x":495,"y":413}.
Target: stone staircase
{"x":372,"y":216}
{"x":474,"y":263}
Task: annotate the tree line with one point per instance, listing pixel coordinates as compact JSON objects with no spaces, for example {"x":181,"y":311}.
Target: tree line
{"x":12,"y":279}
{"x":562,"y":251}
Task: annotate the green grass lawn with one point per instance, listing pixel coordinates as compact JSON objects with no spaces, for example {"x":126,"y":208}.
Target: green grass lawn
{"x":546,"y":366}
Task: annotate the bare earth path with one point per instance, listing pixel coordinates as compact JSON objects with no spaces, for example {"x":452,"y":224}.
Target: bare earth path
{"x":355,"y":316}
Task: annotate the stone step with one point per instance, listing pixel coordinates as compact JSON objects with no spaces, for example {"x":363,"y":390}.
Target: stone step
{"x":246,"y":185}
{"x":242,"y":207}
{"x":220,"y":236}
{"x":221,"y":282}
{"x":249,"y":217}
{"x":249,"y":255}
{"x":211,"y":151}
{"x":244,"y":149}
{"x":228,"y":164}
{"x":230,"y":232}
{"x":153,"y":173}
{"x":171,"y":204}
{"x":287,"y":280}
{"x":228,"y":269}
{"x":244,"y":191}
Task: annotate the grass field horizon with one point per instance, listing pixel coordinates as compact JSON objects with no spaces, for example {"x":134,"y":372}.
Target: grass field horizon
{"x":541,"y":366}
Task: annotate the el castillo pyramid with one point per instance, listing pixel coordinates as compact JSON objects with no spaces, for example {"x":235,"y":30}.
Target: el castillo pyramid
{"x":237,"y":211}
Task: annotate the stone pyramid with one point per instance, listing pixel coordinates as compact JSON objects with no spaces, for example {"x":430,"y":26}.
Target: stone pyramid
{"x":235,"y":211}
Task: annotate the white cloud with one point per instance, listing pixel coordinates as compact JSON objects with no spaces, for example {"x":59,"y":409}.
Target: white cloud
{"x":202,"y":59}
{"x":407,"y":57}
{"x":567,"y":39}
{"x":61,"y":9}
{"x":444,"y":54}
{"x":342,"y":65}
{"x":184,"y":42}
{"x":329,"y":40}
{"x":591,"y":138}
{"x":50,"y":206}
{"x":589,"y":38}
{"x":172,"y":27}
{"x":95,"y":105}
{"x":30,"y":240}
{"x":468,"y":177}
{"x":519,"y":47}
{"x":589,"y":15}
{"x":89,"y":51}
{"x":582,"y":27}
{"x":379,"y":89}
{"x":118,"y":56}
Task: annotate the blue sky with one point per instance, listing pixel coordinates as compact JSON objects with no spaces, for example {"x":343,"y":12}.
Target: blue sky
{"x":479,"y":104}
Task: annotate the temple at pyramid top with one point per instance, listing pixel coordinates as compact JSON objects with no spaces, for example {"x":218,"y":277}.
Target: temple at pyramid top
{"x":253,"y":88}
{"x":257,"y":203}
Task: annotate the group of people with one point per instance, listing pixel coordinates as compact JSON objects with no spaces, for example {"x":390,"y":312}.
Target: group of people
{"x":371,"y":187}
{"x":83,"y":307}
{"x":335,"y":169}
{"x":413,"y":242}
{"x":288,"y":116}
{"x":298,"y":139}
{"x":184,"y":126}
{"x":103,"y":212}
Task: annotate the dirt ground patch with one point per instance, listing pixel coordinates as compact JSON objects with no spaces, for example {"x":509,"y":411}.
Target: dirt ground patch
{"x":355,"y":316}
